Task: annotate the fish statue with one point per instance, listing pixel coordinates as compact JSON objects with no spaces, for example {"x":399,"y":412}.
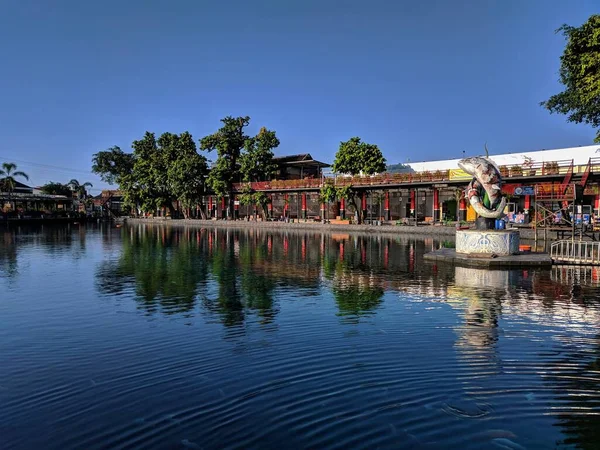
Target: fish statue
{"x":485,"y":190}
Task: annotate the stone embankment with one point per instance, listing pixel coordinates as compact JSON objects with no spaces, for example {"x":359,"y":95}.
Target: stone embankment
{"x":421,"y":230}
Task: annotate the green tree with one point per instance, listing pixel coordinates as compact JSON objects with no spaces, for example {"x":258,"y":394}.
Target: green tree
{"x":256,"y":198}
{"x":112,"y":165}
{"x":327,"y":194}
{"x":256,"y":162}
{"x":228,"y":141}
{"x":186,"y":169}
{"x":355,"y":157}
{"x":580,"y":74}
{"x":53,"y":188}
{"x":9,"y":173}
{"x":350,"y":194}
{"x":149,"y":176}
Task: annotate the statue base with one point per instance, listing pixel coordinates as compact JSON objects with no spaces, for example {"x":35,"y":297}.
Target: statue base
{"x":485,"y":224}
{"x":487,"y":242}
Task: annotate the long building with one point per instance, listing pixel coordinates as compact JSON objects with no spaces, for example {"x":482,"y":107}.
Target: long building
{"x":429,"y":191}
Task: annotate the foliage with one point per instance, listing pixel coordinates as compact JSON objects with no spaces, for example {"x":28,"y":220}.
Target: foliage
{"x":53,"y":188}
{"x":157,"y":172}
{"x":79,"y":189}
{"x":252,"y":197}
{"x":256,"y":162}
{"x":351,"y":195}
{"x":186,"y":169}
{"x":399,"y":168}
{"x":112,"y":164}
{"x":8,"y":173}
{"x":247,"y":196}
{"x":516,"y":170}
{"x":438,"y":175}
{"x":228,"y":141}
{"x":579,"y":73}
{"x":355,"y":157}
{"x":328,"y":192}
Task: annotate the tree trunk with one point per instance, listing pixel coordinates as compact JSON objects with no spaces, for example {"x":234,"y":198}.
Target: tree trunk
{"x":171,"y":209}
{"x":202,"y":211}
{"x":352,"y":202}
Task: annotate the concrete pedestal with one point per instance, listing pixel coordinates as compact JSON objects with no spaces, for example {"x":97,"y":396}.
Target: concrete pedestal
{"x":487,"y":242}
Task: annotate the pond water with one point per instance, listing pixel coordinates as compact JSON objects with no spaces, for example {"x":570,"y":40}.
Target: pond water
{"x":158,"y":337}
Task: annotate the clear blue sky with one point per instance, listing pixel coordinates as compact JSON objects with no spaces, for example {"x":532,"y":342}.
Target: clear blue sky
{"x":422,"y":79}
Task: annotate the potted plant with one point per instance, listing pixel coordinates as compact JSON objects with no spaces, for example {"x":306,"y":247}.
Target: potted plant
{"x":516,"y":171}
{"x":551,"y":168}
{"x":504,"y":171}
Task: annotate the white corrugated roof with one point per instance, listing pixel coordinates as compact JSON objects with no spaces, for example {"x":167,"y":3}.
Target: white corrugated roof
{"x":579,"y":155}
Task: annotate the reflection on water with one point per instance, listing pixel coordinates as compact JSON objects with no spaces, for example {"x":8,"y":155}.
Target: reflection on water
{"x":166,"y":337}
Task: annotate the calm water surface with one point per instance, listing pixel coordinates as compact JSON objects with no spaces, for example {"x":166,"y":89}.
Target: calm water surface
{"x":156,"y":337}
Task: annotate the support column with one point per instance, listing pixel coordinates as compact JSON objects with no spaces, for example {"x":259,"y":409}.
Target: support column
{"x":304,"y":205}
{"x":342,"y":208}
{"x":386,"y":206}
{"x":363,"y":205}
{"x":436,"y":205}
{"x":270,"y":206}
{"x":223,"y":208}
{"x":210,"y":207}
{"x":286,"y":205}
{"x":462,"y":209}
{"x":528,"y":202}
{"x":236,"y":208}
{"x":597,"y":205}
{"x":323,"y":209}
{"x":412,"y":203}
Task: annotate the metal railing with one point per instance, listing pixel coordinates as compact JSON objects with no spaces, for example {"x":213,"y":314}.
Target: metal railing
{"x":575,"y":252}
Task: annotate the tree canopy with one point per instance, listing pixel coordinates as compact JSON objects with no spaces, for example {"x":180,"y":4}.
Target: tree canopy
{"x":580,"y":74}
{"x":158,"y":172}
{"x":355,"y":157}
{"x":228,"y":141}
{"x":256,"y":162}
{"x":8,"y":175}
{"x":54,"y":188}
{"x":112,"y":164}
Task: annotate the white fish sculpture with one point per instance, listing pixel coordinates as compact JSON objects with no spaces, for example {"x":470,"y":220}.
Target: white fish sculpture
{"x":486,"y":179}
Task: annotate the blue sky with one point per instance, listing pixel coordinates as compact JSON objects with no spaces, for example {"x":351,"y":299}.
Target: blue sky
{"x":422,"y":79}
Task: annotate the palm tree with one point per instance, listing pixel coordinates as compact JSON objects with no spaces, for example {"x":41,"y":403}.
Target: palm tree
{"x":9,"y":173}
{"x":79,"y":189}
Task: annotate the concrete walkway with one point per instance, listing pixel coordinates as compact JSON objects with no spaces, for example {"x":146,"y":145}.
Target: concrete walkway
{"x":421,"y":230}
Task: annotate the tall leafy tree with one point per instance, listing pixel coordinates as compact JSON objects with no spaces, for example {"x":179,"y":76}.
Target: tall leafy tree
{"x":256,"y":162}
{"x":580,"y":74}
{"x":228,"y":141}
{"x":149,"y":175}
{"x":187,"y":170}
{"x":355,"y":157}
{"x":112,"y":165}
{"x":8,"y":175}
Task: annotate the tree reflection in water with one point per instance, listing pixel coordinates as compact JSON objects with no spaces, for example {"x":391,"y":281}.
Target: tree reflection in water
{"x":236,"y":273}
{"x":8,"y":255}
